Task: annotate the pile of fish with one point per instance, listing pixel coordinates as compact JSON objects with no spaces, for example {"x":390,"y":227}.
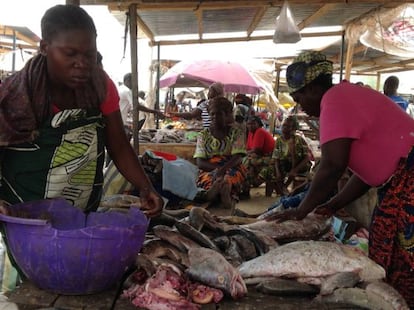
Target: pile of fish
{"x":192,"y":257}
{"x":337,"y":272}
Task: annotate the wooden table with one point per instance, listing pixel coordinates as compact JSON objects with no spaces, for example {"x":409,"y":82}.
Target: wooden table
{"x":29,"y":297}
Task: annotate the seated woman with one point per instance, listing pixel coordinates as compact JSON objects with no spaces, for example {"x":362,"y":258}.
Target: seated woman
{"x":260,"y":144}
{"x":219,"y":152}
{"x":291,"y":157}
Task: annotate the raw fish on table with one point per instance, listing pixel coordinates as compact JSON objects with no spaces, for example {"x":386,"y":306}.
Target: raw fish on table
{"x":312,"y":259}
{"x":310,"y":227}
{"x":211,"y":268}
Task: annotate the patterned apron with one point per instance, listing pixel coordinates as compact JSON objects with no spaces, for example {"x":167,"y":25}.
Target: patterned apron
{"x":66,"y":160}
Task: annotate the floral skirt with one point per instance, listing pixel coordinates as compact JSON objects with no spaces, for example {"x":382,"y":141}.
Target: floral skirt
{"x":235,"y":176}
{"x":392,"y":230}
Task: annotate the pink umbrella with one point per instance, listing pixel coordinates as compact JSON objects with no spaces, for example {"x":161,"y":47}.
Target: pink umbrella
{"x":202,"y":73}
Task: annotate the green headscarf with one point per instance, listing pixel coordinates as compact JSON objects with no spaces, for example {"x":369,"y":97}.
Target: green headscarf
{"x":305,"y":68}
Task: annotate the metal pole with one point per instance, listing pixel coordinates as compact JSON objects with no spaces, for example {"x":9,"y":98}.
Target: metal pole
{"x":14,"y":52}
{"x":157,"y":101}
{"x":134,"y":73}
{"x":342,"y":56}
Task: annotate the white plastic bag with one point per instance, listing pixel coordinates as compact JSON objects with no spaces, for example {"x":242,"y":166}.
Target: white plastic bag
{"x":286,"y":30}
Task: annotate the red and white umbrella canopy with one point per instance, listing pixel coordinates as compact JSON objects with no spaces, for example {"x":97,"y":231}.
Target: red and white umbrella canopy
{"x":202,"y":73}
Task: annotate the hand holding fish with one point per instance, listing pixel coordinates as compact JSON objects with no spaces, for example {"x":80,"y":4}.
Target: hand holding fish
{"x":151,"y":203}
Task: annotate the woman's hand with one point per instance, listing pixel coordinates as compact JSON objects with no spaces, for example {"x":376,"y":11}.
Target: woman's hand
{"x":151,"y":203}
{"x":160,"y":114}
{"x":295,"y":214}
{"x":325,"y":210}
{"x":3,"y":207}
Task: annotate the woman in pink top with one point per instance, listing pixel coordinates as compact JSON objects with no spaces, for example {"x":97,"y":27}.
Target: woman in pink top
{"x":363,"y":130}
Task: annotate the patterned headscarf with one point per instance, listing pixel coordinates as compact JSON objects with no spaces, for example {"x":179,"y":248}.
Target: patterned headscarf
{"x":305,"y":68}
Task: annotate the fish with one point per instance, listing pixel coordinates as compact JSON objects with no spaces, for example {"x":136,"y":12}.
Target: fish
{"x":312,"y":259}
{"x":174,"y":237}
{"x":342,"y":279}
{"x":310,"y":227}
{"x":178,"y":214}
{"x":190,"y":232}
{"x":390,"y":296}
{"x":201,"y":218}
{"x":360,"y":297}
{"x":196,"y":217}
{"x":286,"y":287}
{"x":232,"y":253}
{"x":247,"y":248}
{"x":120,"y":201}
{"x":222,"y":242}
{"x":211,"y":268}
{"x":236,"y":220}
{"x":159,"y":248}
{"x":261,"y":247}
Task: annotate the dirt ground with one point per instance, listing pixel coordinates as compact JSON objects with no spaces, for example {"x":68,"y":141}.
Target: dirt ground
{"x":257,"y":203}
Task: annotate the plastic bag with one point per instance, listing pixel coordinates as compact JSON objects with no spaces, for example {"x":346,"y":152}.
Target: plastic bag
{"x":286,"y":30}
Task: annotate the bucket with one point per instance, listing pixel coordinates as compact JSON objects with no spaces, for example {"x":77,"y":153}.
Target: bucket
{"x":63,"y":250}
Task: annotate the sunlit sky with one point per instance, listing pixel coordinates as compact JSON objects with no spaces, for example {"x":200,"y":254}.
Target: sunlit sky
{"x":110,"y":42}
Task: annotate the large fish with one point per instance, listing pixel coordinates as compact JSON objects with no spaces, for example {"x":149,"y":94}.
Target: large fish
{"x":211,"y":268}
{"x":190,"y":232}
{"x":312,"y":259}
{"x":365,"y":298}
{"x":311,"y":227}
{"x":159,"y":248}
{"x":174,"y":237}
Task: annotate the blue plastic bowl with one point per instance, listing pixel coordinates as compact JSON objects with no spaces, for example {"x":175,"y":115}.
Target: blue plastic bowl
{"x":69,"y":252}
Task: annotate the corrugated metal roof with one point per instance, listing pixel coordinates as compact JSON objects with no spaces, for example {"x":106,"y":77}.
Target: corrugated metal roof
{"x":159,"y":18}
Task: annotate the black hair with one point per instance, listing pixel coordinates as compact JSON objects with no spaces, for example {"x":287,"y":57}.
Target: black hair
{"x":223,"y":103}
{"x":294,"y":121}
{"x":257,"y":119}
{"x":127,"y":77}
{"x":61,"y":18}
{"x":141,"y":94}
{"x":391,"y":85}
{"x":99,"y":58}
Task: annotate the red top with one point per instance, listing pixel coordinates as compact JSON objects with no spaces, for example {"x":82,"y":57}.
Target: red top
{"x":260,"y":139}
{"x":111,"y":103}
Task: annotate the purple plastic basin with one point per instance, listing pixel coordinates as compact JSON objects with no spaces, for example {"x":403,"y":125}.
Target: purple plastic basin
{"x":70,"y":253}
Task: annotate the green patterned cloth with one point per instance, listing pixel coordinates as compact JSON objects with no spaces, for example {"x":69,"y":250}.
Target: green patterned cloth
{"x":306,"y":67}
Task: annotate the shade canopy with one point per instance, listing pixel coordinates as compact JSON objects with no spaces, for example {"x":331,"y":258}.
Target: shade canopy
{"x":234,"y":76}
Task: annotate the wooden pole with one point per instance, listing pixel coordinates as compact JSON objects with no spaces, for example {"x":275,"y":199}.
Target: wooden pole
{"x":349,"y":59}
{"x":272,"y":118}
{"x":134,"y":72}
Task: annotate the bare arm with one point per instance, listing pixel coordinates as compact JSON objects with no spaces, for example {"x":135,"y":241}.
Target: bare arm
{"x":196,"y":113}
{"x":300,"y":165}
{"x":234,"y":161}
{"x":334,"y":161}
{"x":352,"y":190}
{"x":143,"y":108}
{"x":128,"y":164}
{"x":205,"y":165}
